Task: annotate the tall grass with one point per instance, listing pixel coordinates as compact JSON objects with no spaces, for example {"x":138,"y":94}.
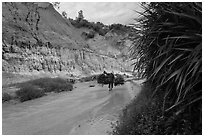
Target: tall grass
{"x":169,"y":45}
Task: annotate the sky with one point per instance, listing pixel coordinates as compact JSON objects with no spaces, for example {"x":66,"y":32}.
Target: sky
{"x":105,"y":12}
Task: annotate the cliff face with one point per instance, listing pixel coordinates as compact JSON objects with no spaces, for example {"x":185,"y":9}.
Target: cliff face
{"x":48,"y":59}
{"x":35,"y":38}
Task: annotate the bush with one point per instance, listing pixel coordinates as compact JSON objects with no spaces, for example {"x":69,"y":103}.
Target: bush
{"x":143,"y":116}
{"x":56,"y":85}
{"x":59,"y":87}
{"x":28,"y":92}
{"x":88,"y":35}
{"x":147,"y":121}
{"x":51,"y":84}
{"x":37,"y":88}
{"x":6,"y":97}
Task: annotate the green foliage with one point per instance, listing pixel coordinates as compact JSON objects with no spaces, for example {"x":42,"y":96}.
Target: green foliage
{"x":169,"y":47}
{"x":29,"y":92}
{"x":6,"y":97}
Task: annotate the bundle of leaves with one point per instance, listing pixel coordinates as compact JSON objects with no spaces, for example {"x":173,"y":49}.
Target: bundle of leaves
{"x":119,"y":80}
{"x":169,"y":45}
{"x":103,"y":79}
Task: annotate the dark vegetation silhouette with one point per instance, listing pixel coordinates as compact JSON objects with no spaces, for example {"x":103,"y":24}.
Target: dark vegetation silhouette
{"x":169,"y":45}
{"x":119,"y":80}
{"x":110,"y":79}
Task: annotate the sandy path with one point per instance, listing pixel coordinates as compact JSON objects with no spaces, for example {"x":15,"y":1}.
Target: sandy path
{"x":85,"y":110}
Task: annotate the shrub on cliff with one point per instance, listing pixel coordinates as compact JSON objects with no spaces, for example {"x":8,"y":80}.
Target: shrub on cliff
{"x":88,"y":35}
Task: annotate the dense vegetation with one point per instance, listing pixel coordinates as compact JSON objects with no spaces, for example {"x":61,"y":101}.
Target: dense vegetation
{"x":29,"y":92}
{"x":97,"y":27}
{"x":50,"y":84}
{"x":169,"y":45}
{"x":39,"y":87}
